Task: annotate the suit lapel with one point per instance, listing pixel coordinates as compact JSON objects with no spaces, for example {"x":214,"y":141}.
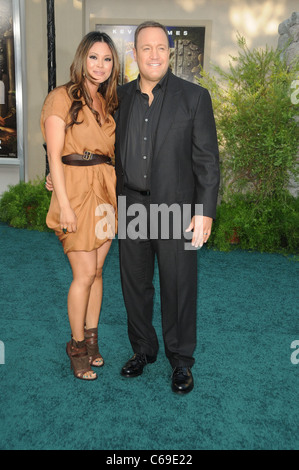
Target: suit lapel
{"x":124,"y":113}
{"x":168,"y":111}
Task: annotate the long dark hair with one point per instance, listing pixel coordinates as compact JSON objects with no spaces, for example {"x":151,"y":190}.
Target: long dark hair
{"x":76,"y":88}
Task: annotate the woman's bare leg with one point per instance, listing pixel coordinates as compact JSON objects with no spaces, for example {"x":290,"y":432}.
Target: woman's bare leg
{"x":96,"y":295}
{"x":84,"y":271}
{"x":96,"y":291}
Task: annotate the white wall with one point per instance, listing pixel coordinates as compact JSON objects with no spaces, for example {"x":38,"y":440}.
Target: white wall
{"x":9,"y":175}
{"x":256,"y":20}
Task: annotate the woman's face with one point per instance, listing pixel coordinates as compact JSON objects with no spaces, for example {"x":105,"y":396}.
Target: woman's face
{"x":99,"y":62}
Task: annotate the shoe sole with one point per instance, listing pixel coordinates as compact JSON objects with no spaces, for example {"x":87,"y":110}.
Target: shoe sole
{"x":128,"y":376}
{"x":183,"y":392}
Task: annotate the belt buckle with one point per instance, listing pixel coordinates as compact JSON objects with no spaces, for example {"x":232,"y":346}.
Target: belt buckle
{"x":87,"y":155}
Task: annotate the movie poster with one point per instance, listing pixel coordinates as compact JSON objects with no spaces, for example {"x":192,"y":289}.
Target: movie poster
{"x":186,"y":50}
{"x":8,"y":123}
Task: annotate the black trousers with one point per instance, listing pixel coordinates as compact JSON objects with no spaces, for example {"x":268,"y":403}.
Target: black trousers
{"x":178,"y":289}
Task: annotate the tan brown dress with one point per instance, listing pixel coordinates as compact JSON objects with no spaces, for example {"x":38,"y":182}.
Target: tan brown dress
{"x":90,"y":189}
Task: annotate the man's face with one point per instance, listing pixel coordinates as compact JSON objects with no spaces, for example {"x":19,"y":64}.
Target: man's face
{"x":152,"y":54}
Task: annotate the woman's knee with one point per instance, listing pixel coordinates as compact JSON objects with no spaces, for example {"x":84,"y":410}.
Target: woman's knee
{"x":85,"y":278}
{"x":99,"y":272}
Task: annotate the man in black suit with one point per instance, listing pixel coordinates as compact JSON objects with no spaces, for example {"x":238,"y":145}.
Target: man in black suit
{"x":166,"y":160}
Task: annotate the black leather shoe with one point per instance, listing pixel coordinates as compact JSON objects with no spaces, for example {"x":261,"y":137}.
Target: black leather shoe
{"x":135,"y":365}
{"x":182,"y":380}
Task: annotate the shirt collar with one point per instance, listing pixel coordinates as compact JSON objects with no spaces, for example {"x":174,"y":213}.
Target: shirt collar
{"x":162,"y":83}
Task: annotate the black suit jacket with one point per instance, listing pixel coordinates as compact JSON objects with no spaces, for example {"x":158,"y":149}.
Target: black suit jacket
{"x":185,"y":163}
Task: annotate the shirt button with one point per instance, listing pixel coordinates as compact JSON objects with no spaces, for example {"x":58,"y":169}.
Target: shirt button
{"x":144,"y":157}
{"x":144,"y":138}
{"x":145,"y":176}
{"x":146,"y":120}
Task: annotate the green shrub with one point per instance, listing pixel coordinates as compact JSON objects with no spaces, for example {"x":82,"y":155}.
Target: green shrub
{"x":271,"y":226}
{"x":25,"y":205}
{"x":259,"y":139}
{"x":255,"y":119}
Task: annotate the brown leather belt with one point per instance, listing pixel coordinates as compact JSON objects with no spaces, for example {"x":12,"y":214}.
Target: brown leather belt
{"x":86,"y":159}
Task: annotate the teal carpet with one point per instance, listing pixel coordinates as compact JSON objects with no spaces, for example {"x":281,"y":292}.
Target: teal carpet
{"x":246,"y":387}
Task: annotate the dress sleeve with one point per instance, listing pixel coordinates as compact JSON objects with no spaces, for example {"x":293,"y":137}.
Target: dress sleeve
{"x":57,"y":103}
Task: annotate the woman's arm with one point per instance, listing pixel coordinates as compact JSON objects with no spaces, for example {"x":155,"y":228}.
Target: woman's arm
{"x":55,"y":135}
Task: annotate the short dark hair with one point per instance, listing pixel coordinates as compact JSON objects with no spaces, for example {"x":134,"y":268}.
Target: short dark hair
{"x":149,"y":24}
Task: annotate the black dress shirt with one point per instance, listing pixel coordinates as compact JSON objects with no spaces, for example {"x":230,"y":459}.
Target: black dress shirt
{"x":143,"y":122}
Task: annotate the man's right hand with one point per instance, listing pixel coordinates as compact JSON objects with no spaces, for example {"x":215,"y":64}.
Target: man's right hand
{"x":48,"y":183}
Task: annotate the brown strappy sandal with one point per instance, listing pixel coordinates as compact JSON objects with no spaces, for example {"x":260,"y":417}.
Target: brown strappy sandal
{"x":91,"y":339}
{"x":77,"y":352}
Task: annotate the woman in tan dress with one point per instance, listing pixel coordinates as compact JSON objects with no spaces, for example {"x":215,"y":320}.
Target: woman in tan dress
{"x":79,"y":131}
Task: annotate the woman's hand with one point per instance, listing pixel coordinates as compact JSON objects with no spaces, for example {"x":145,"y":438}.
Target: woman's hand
{"x":68,"y":219}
